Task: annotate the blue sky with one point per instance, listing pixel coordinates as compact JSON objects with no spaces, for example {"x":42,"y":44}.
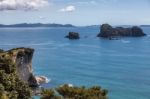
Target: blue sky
{"x":76,"y":12}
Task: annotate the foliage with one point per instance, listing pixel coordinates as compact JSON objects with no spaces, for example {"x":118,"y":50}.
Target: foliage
{"x":11,"y":86}
{"x":67,"y":92}
{"x":49,"y":94}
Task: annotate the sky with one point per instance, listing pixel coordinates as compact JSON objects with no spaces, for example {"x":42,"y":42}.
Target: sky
{"x":76,"y":12}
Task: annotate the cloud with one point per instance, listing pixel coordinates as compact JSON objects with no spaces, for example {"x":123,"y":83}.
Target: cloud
{"x":68,"y":9}
{"x":108,"y":1}
{"x":22,"y":4}
{"x":96,"y":2}
{"x":87,"y":2}
{"x":42,"y":17}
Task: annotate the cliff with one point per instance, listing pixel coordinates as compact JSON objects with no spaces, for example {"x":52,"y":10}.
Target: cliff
{"x":22,"y":58}
{"x":107,"y":31}
{"x":12,"y":82}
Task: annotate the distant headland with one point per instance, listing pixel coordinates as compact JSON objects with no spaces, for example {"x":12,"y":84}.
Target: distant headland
{"x":23,"y":25}
{"x":28,"y":25}
{"x":144,"y":25}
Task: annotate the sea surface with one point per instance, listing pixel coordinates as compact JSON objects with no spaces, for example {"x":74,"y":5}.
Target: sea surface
{"x":121,"y":66}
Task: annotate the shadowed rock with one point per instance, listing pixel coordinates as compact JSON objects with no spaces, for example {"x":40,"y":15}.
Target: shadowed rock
{"x":73,"y":35}
{"x":136,"y":31}
{"x":107,"y":31}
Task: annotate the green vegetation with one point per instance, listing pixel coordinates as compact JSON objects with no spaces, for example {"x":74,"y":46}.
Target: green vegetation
{"x":11,"y":86}
{"x":66,"y":92}
{"x":49,"y":94}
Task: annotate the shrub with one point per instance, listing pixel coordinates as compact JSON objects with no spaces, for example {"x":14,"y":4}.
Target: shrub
{"x":49,"y":94}
{"x":67,"y":92}
{"x":11,"y":86}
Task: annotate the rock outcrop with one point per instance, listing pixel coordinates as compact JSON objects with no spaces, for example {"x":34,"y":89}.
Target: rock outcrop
{"x":73,"y":35}
{"x":107,"y":31}
{"x":12,"y":83}
{"x":41,"y":79}
{"x":22,"y":58}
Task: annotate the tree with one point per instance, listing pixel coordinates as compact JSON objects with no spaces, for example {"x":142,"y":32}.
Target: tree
{"x":67,"y":92}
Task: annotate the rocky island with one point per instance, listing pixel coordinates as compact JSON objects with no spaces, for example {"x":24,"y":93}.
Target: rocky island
{"x":107,"y":31}
{"x":73,"y":35}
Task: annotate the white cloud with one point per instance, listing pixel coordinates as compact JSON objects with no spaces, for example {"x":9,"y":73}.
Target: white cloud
{"x":96,"y":2}
{"x":42,"y":17}
{"x":68,"y":9}
{"x":87,"y":2}
{"x":22,"y":4}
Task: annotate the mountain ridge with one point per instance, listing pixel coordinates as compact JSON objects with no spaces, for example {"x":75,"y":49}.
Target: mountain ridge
{"x":35,"y":25}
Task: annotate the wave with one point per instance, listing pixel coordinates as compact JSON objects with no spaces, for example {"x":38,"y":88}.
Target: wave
{"x":63,"y":45}
{"x":125,"y":41}
{"x":9,"y":44}
{"x":90,"y":46}
{"x":69,"y":85}
{"x":42,"y":79}
{"x":38,"y":44}
{"x":30,"y":44}
{"x":46,"y":79}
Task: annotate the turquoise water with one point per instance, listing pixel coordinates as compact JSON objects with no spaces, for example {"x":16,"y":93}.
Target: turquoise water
{"x":121,"y":66}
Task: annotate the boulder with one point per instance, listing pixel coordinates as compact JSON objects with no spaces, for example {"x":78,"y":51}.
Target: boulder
{"x":73,"y":35}
{"x":32,"y":81}
{"x":41,"y":79}
{"x":107,"y":31}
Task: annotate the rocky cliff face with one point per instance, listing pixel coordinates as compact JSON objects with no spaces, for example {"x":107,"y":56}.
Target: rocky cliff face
{"x":107,"y":31}
{"x":12,"y":84}
{"x":22,"y":57}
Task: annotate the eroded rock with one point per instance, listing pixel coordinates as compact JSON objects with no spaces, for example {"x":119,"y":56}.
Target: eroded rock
{"x":73,"y":35}
{"x":107,"y":31}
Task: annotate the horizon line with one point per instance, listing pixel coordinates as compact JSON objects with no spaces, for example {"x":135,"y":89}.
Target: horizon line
{"x":28,"y":23}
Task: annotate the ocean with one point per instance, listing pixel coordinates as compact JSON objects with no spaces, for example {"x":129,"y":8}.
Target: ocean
{"x":121,"y":66}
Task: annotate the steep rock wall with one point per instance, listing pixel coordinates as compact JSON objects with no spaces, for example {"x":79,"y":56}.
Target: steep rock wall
{"x":22,"y":57}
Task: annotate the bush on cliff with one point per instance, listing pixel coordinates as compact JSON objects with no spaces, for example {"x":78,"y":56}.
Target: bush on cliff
{"x":11,"y":86}
{"x":67,"y":92}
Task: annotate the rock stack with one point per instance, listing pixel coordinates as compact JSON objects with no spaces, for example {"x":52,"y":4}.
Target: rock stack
{"x":107,"y":31}
{"x":73,"y":35}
